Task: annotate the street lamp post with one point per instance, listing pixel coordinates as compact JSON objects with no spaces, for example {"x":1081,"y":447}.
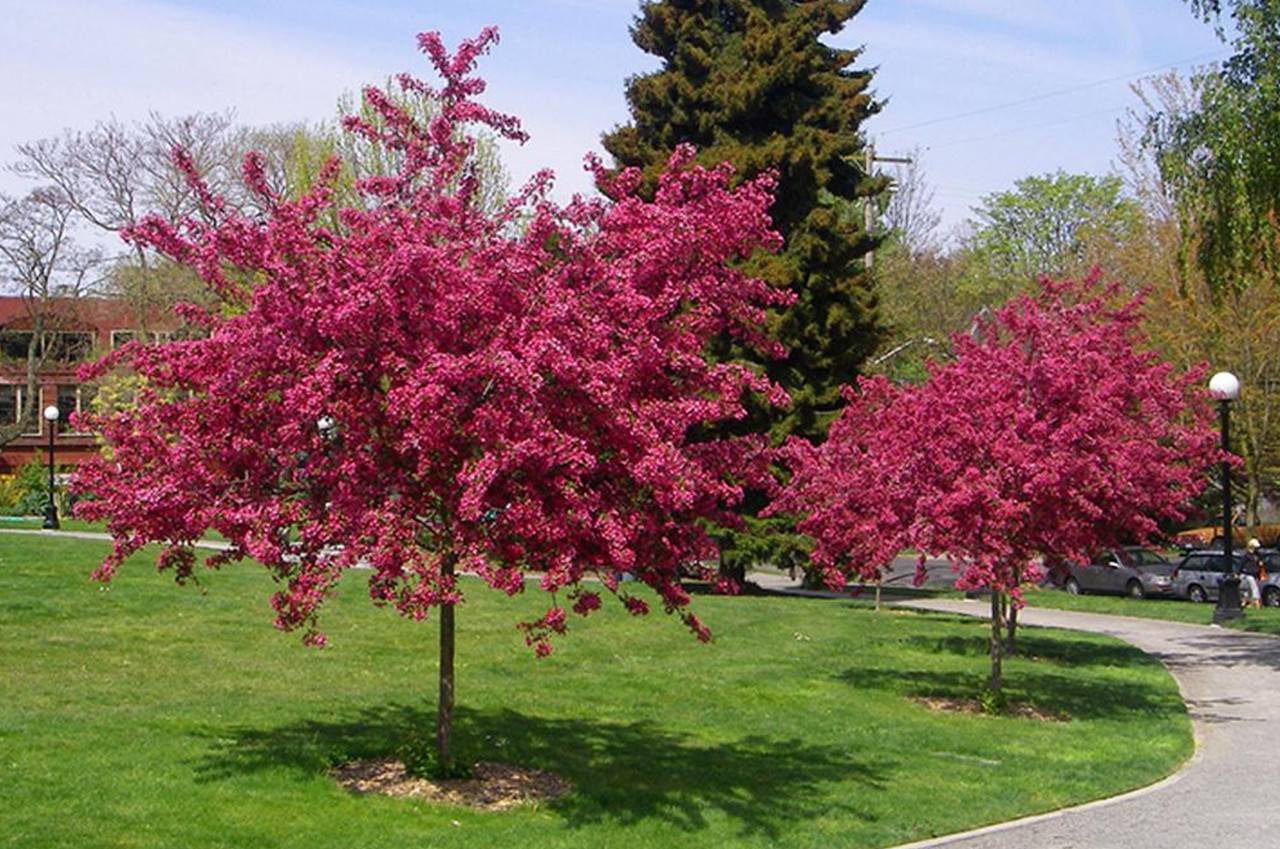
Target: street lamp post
{"x":1225,"y":387}
{"x":51,"y":414}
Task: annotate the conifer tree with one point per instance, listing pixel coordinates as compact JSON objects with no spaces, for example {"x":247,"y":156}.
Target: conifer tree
{"x":752,"y":82}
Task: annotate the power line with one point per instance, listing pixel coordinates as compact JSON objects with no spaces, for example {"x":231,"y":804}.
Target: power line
{"x":1070,"y":90}
{"x":1027,"y":128}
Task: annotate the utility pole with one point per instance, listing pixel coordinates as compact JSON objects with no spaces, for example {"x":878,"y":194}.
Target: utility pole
{"x":869,"y":161}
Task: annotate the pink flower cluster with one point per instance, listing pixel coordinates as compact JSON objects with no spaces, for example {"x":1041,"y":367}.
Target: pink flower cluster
{"x":1052,"y":431}
{"x":415,"y":383}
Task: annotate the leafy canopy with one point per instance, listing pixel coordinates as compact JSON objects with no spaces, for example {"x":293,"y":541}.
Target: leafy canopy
{"x":1052,"y":432}
{"x":440,"y":382}
{"x":1041,"y":225}
{"x":1219,"y":160}
{"x":752,"y":82}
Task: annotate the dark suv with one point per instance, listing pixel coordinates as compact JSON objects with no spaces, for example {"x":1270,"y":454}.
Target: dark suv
{"x":1134,"y":571}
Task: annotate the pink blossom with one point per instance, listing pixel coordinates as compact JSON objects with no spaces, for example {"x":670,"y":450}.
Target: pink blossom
{"x":636,"y":606}
{"x":586,"y":602}
{"x":509,"y":391}
{"x":1055,"y":430}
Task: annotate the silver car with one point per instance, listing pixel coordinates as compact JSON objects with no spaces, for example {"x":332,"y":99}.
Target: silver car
{"x":1134,"y":571}
{"x":1200,"y":572}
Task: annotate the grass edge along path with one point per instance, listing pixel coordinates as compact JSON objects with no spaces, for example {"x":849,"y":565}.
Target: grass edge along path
{"x":1256,"y":621}
{"x":1264,"y":621}
{"x":146,"y":715}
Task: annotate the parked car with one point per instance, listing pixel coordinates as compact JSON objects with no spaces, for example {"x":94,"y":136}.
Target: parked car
{"x":1134,"y":571}
{"x":1198,"y":575}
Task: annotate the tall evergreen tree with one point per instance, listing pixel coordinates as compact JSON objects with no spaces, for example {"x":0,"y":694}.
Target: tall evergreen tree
{"x":751,"y":82}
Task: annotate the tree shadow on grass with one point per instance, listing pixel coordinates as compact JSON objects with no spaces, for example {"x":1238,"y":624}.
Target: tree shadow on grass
{"x":622,"y":772}
{"x":1059,"y":650}
{"x":1055,"y":691}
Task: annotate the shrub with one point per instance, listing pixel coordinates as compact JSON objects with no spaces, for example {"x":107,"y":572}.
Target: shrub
{"x":10,"y":492}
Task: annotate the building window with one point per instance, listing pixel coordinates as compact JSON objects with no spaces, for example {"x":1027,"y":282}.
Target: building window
{"x":37,"y":420}
{"x":62,"y":346}
{"x":14,"y":344}
{"x":68,"y":401}
{"x":121,"y":337}
{"x":8,"y":404}
{"x":72,"y":399}
{"x":70,"y":347}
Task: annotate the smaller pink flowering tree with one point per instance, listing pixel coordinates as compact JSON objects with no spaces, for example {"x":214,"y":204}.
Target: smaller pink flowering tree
{"x":1051,"y":432}
{"x":421,"y":387}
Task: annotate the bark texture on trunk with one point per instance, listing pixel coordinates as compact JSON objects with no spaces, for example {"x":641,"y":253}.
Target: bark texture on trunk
{"x":444,"y":709}
{"x":1011,"y":628}
{"x":997,"y":643}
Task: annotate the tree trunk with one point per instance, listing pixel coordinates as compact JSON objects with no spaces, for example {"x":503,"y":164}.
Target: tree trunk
{"x":1011,"y":628}
{"x":1251,"y":503}
{"x":444,"y":709}
{"x":879,"y":583}
{"x":997,"y":643}
{"x":734,"y":572}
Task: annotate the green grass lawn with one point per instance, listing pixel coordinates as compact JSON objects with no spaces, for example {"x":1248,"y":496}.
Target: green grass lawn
{"x":145,"y":715}
{"x":1264,"y":621}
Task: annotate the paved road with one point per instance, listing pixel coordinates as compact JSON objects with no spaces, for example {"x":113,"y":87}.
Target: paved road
{"x":1225,"y":797}
{"x":214,"y":545}
{"x":902,"y":573}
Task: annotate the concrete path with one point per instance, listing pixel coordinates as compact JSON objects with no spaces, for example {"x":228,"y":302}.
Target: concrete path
{"x":213,"y":545}
{"x":1224,"y":797}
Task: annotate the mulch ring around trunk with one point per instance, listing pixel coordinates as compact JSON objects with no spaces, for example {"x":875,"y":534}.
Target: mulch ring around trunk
{"x":492,"y":787}
{"x":1020,"y":710}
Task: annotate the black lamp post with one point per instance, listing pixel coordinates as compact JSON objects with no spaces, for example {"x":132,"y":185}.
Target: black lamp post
{"x":51,"y":414}
{"x":1225,"y":387}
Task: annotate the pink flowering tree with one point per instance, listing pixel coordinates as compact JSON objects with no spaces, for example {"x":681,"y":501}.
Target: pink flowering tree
{"x":423,"y":388}
{"x":1051,"y":432}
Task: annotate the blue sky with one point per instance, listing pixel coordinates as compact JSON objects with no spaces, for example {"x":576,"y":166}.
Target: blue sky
{"x":562,"y":64}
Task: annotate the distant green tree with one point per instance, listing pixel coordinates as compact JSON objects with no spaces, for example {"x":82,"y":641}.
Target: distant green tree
{"x":752,"y":82}
{"x":1042,"y":225}
{"x":1220,"y":159}
{"x":930,"y":290}
{"x":298,"y":153}
{"x":1256,"y":36}
{"x":1214,"y":144}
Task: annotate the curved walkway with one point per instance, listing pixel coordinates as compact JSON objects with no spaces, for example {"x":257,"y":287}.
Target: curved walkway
{"x":1224,"y":797}
{"x":97,"y":536}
